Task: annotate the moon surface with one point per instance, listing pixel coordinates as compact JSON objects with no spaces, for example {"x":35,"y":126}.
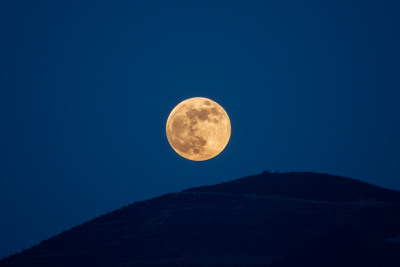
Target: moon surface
{"x":198,"y":129}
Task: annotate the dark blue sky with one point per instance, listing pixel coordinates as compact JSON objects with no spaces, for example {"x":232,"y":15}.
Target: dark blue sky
{"x":86,"y":88}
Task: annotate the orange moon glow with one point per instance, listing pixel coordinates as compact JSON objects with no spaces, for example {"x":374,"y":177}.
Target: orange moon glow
{"x":198,"y":129}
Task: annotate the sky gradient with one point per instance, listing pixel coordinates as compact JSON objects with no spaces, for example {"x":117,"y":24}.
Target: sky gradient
{"x":86,"y":88}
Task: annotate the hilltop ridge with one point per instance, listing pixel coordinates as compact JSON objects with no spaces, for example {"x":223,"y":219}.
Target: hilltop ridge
{"x":303,"y":185}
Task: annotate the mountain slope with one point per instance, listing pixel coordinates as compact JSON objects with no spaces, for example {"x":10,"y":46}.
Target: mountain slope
{"x":272,"y":219}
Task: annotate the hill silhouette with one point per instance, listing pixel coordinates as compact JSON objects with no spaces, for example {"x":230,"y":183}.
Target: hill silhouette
{"x":271,"y":219}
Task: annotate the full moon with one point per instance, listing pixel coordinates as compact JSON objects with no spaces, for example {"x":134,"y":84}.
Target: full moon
{"x":198,"y":129}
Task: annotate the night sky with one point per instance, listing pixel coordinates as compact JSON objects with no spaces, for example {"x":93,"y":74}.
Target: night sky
{"x":86,"y":88}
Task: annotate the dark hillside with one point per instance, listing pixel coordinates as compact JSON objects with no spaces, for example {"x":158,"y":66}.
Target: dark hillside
{"x":288,"y":219}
